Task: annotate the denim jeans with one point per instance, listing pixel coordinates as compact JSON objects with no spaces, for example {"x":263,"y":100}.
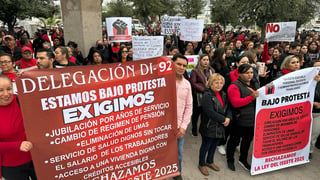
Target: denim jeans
{"x":208,"y":147}
{"x":180,"y":151}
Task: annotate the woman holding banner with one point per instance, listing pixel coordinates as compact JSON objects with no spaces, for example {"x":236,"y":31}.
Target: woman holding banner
{"x":15,"y":158}
{"x":198,"y":79}
{"x":216,"y":115}
{"x":242,"y":94}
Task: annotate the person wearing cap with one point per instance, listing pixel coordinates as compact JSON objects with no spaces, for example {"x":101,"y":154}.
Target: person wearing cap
{"x":27,"y":59}
{"x":11,"y":48}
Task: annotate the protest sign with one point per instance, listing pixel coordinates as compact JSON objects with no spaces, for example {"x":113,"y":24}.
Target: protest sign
{"x":283,"y":122}
{"x":119,"y":29}
{"x":192,"y":62}
{"x":116,"y":121}
{"x":281,"y":31}
{"x":147,"y":47}
{"x":191,"y":29}
{"x":170,"y":24}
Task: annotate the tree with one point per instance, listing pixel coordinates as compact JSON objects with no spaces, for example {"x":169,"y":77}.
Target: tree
{"x":146,"y":9}
{"x":117,"y":8}
{"x":170,"y":8}
{"x":263,"y":12}
{"x":50,"y":21}
{"x":191,"y":8}
{"x":224,"y":12}
{"x":11,"y":10}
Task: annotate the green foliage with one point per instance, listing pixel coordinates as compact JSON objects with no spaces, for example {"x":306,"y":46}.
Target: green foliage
{"x":117,"y":8}
{"x":146,"y":9}
{"x":11,"y":10}
{"x":263,"y":12}
{"x":191,"y":8}
{"x":224,"y":12}
{"x":170,"y":7}
{"x":50,"y":21}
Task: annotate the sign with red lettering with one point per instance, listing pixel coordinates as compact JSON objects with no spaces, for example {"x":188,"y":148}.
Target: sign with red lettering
{"x":283,"y":122}
{"x":115,"y":121}
{"x":282,"y":31}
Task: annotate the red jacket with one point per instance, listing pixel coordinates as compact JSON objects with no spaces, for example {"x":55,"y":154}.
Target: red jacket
{"x":234,"y":75}
{"x":265,"y":53}
{"x":25,"y":64}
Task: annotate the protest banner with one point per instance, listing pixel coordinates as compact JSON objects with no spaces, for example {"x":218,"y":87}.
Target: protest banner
{"x":283,"y":122}
{"x":170,"y":24}
{"x":119,"y":29}
{"x":147,"y":47}
{"x":192,"y":62}
{"x":191,"y":29}
{"x":281,"y":31}
{"x":116,"y":121}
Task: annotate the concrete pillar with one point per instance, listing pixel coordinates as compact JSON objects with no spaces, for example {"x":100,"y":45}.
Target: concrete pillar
{"x":82,"y":22}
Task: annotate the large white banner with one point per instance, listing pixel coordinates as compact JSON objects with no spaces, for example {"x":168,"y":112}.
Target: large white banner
{"x":119,"y":29}
{"x":170,"y":24}
{"x":147,"y":46}
{"x":191,"y":29}
{"x":283,"y":122}
{"x":281,"y":31}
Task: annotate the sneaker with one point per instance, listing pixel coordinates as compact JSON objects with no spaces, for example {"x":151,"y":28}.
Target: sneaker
{"x":204,"y":170}
{"x":222,"y":150}
{"x":245,"y":165}
{"x":231,"y":166}
{"x":178,"y":177}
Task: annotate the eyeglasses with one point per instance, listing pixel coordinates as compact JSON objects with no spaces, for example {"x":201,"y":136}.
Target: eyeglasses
{"x":124,"y":51}
{"x":27,"y":52}
{"x":5,"y":62}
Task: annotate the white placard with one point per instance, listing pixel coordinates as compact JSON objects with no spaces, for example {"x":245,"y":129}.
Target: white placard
{"x":147,"y":47}
{"x":119,"y":29}
{"x":284,"y":121}
{"x":170,"y":23}
{"x":281,"y":31}
{"x":191,"y":29}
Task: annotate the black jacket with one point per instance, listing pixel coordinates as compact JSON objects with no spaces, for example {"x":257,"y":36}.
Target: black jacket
{"x":16,"y":52}
{"x":245,"y":114}
{"x":214,"y":114}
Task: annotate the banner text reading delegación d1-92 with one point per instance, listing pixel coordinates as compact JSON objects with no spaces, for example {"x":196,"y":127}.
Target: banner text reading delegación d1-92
{"x":107,"y":122}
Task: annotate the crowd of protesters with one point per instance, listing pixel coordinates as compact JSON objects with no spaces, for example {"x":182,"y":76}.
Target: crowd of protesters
{"x":228,"y":64}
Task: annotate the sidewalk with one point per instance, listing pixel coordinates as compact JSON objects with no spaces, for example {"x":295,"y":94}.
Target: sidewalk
{"x":190,"y":166}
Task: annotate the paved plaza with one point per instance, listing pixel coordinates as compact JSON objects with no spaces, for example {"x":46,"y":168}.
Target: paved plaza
{"x":309,"y":171}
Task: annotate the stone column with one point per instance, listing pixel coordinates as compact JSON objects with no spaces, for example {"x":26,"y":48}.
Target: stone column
{"x":82,"y":22}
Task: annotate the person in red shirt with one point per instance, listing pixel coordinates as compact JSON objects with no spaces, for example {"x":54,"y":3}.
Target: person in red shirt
{"x":27,"y":59}
{"x":15,"y":158}
{"x":242,"y":94}
{"x":7,"y":66}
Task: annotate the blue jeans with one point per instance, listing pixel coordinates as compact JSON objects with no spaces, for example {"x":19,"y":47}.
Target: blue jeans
{"x":208,"y":147}
{"x":180,"y":151}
